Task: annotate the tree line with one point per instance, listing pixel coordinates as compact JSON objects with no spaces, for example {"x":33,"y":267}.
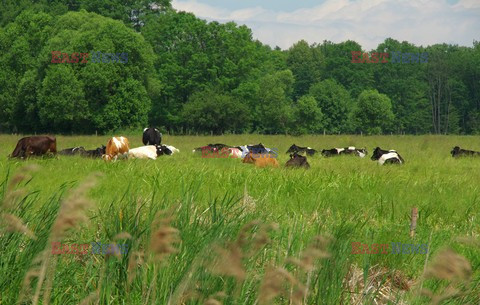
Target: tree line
{"x":186,"y":75}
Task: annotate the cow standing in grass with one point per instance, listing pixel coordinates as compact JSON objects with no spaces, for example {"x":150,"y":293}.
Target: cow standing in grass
{"x":116,"y":147}
{"x":387,"y":156}
{"x":34,"y":146}
{"x":151,"y":136}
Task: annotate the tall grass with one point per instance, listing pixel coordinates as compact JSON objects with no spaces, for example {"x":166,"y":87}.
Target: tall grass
{"x":215,"y":231}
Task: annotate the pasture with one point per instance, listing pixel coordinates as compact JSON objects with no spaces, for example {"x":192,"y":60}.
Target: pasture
{"x":216,"y":258}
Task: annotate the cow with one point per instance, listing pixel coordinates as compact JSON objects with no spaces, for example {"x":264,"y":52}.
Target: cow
{"x":300,"y":150}
{"x":172,"y":149}
{"x":35,"y":145}
{"x":261,"y":161}
{"x":297,"y":160}
{"x":351,"y":150}
{"x":459,"y":152}
{"x":235,"y":152}
{"x":116,"y":147}
{"x":95,"y":153}
{"x":79,"y":150}
{"x":151,"y":136}
{"x":212,"y":148}
{"x":148,"y":152}
{"x":387,"y":156}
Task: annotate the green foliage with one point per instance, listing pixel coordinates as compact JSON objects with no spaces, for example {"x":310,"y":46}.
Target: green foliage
{"x":211,"y":111}
{"x":75,"y":97}
{"x":336,"y":104}
{"x":174,"y":55}
{"x":308,"y":116}
{"x":373,"y":113}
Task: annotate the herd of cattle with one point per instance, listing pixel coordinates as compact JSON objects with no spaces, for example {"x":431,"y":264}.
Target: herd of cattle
{"x":261,"y":156}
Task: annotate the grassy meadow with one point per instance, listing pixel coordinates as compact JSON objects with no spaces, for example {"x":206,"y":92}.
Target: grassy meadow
{"x":216,"y":231}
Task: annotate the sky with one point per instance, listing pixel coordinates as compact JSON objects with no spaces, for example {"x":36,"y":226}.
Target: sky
{"x":368,"y":22}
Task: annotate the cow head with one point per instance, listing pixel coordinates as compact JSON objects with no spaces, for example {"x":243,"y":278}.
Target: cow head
{"x":377,"y":154}
{"x":163,"y":150}
{"x":455,"y":151}
{"x":362,"y":152}
{"x":292,"y":149}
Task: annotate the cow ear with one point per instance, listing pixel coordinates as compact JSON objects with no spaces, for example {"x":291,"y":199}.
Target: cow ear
{"x":145,"y":129}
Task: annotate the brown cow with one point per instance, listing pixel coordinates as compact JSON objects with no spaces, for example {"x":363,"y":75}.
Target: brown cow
{"x":260,"y":160}
{"x":116,"y":146}
{"x":297,"y":161}
{"x":35,"y":145}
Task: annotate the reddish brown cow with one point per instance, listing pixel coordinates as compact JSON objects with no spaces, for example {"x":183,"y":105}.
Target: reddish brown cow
{"x":260,"y":160}
{"x":35,"y":145}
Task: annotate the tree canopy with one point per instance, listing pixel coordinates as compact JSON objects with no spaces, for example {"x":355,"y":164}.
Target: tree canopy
{"x":185,"y":74}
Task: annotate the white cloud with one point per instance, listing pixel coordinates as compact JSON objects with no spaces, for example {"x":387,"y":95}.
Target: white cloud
{"x":369,"y":22}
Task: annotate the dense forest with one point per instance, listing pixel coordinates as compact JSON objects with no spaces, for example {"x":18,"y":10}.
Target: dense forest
{"x":186,"y":75}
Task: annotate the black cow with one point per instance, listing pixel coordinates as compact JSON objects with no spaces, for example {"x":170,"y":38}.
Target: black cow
{"x":95,"y":153}
{"x":300,"y":150}
{"x":387,"y":156}
{"x":79,"y":150}
{"x":35,"y":145}
{"x":297,"y":161}
{"x":151,"y":136}
{"x":459,"y":152}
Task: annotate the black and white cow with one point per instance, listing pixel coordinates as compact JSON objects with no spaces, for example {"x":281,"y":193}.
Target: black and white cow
{"x":361,"y":152}
{"x":459,"y":152}
{"x":387,"y":156}
{"x":151,"y":136}
{"x":148,"y":152}
{"x":300,"y":150}
{"x":79,"y":150}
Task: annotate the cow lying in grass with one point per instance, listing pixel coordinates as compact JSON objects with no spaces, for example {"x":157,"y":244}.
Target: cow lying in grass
{"x":387,"y":156}
{"x":148,"y":152}
{"x":360,"y":152}
{"x":300,"y":150}
{"x":79,"y":150}
{"x":297,"y":161}
{"x":116,"y":147}
{"x":260,"y":160}
{"x":459,"y":152}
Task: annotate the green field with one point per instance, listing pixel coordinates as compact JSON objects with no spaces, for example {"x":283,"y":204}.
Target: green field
{"x":240,"y":228}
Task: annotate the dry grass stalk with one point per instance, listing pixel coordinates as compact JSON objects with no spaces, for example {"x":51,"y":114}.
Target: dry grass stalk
{"x":135,"y":261}
{"x":451,"y":266}
{"x":229,"y":259}
{"x":11,"y":222}
{"x":216,"y":299}
{"x":275,"y":284}
{"x":316,"y":250}
{"x":163,"y":237}
{"x":15,"y":224}
{"x":383,"y":286}
{"x":72,"y":213}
